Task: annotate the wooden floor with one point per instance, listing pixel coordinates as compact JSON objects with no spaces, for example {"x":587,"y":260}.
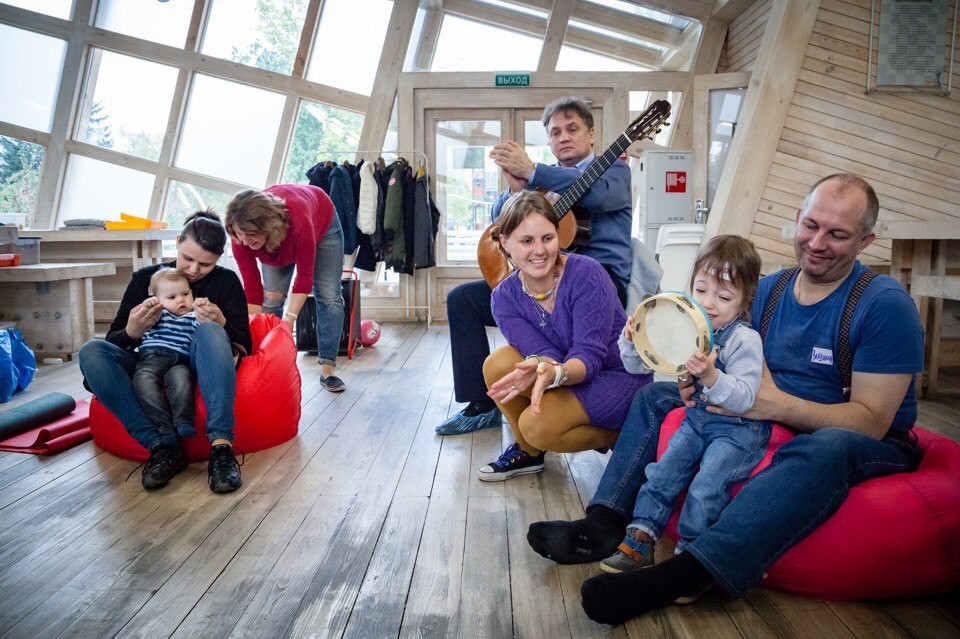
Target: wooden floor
{"x":366,"y":525}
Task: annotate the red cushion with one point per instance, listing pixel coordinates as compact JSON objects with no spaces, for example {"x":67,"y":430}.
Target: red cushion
{"x":266,"y":410}
{"x":895,"y":536}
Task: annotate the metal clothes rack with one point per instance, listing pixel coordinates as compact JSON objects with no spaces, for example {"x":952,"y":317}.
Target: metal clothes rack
{"x":420,"y":156}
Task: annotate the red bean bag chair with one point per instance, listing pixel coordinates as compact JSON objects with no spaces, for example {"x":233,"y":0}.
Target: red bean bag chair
{"x":267,"y":407}
{"x":895,"y":536}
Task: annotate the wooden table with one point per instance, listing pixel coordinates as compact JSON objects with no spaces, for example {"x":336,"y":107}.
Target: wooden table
{"x":129,"y":251}
{"x":925,"y":258}
{"x":52,"y":304}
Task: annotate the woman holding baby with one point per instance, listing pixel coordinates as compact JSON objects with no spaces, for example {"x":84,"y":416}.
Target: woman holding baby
{"x":221,"y":337}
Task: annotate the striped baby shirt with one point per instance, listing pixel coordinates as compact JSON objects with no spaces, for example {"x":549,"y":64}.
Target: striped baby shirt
{"x":171,"y":332}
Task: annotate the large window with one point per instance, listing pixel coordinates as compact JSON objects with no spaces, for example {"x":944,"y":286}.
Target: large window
{"x":127,"y":103}
{"x":349,"y":43}
{"x":322,"y":131}
{"x":230,"y":130}
{"x":19,"y":176}
{"x":165,"y":22}
{"x":184,"y":199}
{"x":35,"y":74}
{"x":261,"y":33}
{"x":103,"y":191}
{"x":574,"y":59}
{"x":55,"y":8}
{"x":465,"y":45}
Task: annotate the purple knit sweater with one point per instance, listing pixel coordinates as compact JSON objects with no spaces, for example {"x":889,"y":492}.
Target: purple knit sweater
{"x":585,"y":323}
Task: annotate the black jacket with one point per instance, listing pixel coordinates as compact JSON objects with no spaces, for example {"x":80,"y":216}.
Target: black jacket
{"x":221,"y":286}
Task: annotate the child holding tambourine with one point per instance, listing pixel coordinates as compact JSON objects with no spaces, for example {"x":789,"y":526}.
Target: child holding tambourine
{"x":725,"y":448}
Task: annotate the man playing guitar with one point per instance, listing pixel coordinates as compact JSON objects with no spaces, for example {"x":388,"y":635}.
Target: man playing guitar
{"x":569,"y":125}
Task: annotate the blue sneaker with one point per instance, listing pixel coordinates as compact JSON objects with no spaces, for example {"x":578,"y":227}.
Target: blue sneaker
{"x":631,"y":555}
{"x":470,"y":419}
{"x":513,"y":461}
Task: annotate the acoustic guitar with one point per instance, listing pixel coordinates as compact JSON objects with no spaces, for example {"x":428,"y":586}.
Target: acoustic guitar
{"x":575,"y":221}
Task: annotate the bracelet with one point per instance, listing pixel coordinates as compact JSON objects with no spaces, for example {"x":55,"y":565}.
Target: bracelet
{"x":289,"y":314}
{"x":537,"y":357}
{"x":559,"y":375}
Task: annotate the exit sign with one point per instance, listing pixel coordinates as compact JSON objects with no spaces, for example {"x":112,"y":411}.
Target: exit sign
{"x":512,"y":80}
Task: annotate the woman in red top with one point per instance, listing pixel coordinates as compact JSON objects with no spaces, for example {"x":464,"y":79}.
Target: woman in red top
{"x":287,"y":226}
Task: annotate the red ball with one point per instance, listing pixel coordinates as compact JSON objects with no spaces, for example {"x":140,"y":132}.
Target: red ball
{"x":369,"y":332}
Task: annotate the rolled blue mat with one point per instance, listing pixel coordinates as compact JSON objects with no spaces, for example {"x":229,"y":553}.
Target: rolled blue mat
{"x":37,"y":412}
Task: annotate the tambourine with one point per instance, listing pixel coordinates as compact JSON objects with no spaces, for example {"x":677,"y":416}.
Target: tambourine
{"x":668,"y":328}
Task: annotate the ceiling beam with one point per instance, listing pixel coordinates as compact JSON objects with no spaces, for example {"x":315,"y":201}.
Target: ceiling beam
{"x":698,"y":10}
{"x":377,"y":117}
{"x":768,"y":98}
{"x":555,"y":34}
{"x":729,"y":10}
{"x":617,"y":22}
{"x":711,"y":41}
{"x":535,"y":26}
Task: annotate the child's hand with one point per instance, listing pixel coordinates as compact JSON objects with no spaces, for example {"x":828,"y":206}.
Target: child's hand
{"x":200,"y":302}
{"x":704,"y":367}
{"x":628,"y":329}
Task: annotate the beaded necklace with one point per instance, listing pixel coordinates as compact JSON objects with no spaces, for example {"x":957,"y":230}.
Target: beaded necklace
{"x":541,"y":296}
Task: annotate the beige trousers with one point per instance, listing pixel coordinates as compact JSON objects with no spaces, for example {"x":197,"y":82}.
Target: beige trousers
{"x":562,"y":425}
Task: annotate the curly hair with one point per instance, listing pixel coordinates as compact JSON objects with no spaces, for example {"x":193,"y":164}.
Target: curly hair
{"x":256,"y":212}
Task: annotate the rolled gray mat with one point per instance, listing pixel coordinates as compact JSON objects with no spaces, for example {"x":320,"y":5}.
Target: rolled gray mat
{"x":37,"y":412}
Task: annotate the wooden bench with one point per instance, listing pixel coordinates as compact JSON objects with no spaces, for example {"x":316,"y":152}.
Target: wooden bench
{"x":52,"y":304}
{"x":129,"y":251}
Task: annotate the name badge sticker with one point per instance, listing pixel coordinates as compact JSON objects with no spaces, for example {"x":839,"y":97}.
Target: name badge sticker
{"x":822,"y":356}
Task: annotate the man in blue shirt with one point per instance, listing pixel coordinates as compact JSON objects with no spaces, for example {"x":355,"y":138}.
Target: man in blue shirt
{"x":842,"y":440}
{"x":569,"y":125}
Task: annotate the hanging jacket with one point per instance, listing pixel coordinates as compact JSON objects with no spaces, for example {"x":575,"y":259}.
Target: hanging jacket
{"x":341,"y":192}
{"x":355,"y":179}
{"x":408,"y":200}
{"x":393,"y":216}
{"x":367,"y":204}
{"x":319,"y":175}
{"x":426,"y":223}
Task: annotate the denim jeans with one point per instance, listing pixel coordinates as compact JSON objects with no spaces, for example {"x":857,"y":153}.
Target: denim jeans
{"x":162,"y":369}
{"x":327,"y":291}
{"x":468,"y":312}
{"x":725,"y":448}
{"x":636,"y":447}
{"x":109,"y":370}
{"x":807,"y":481}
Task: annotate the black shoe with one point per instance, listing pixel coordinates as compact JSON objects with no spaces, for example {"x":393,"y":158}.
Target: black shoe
{"x":224,"y":469}
{"x":165,"y":463}
{"x":333,"y":384}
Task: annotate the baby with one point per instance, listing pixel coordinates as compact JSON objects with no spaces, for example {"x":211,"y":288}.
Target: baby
{"x":725,"y":449}
{"x":165,"y":356}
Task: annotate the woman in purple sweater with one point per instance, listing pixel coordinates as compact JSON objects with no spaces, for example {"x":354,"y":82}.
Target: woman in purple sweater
{"x":560,"y":382}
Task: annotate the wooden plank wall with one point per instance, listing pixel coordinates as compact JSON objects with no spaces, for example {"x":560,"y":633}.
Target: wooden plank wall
{"x":907,"y":145}
{"x":743,"y":38}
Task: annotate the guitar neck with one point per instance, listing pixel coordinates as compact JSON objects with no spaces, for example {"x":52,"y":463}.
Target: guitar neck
{"x":576,"y":191}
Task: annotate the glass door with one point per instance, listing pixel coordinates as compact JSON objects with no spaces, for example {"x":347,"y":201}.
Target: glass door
{"x":718,"y":100}
{"x":467,"y":181}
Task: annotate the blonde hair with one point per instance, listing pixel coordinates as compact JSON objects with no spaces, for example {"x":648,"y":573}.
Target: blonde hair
{"x":734,"y":259}
{"x":167,"y":274}
{"x":517,"y":209}
{"x":258,"y":213}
